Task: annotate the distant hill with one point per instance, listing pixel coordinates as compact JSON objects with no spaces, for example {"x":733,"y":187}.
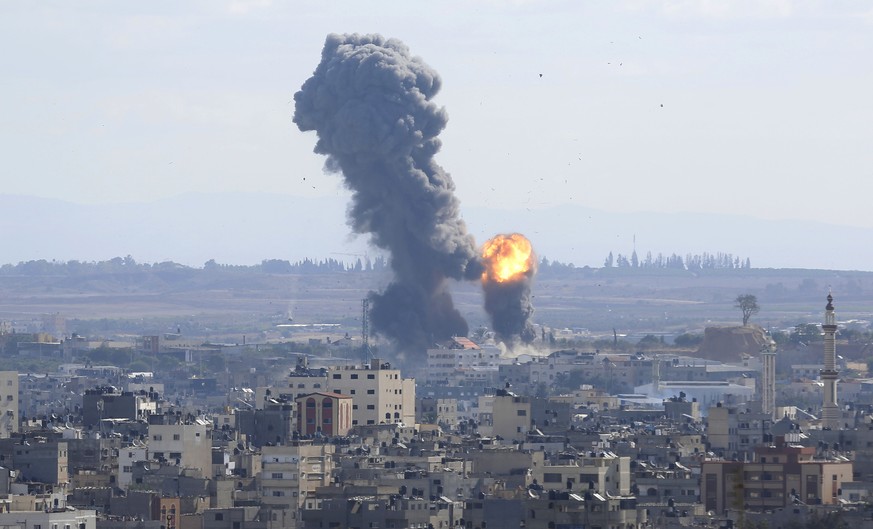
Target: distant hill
{"x":248,"y":228}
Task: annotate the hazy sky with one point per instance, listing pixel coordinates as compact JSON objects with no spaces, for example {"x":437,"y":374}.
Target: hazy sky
{"x":736,"y":106}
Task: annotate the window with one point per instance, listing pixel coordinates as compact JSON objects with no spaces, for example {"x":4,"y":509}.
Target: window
{"x":552,"y":477}
{"x":176,"y":437}
{"x":371,"y":392}
{"x":278,"y":493}
{"x":371,"y":406}
{"x":157,"y":437}
{"x":522,"y":413}
{"x":354,"y":376}
{"x":219,"y":516}
{"x":371,"y":377}
{"x":337,"y":376}
{"x":236,"y":525}
{"x":175,"y":455}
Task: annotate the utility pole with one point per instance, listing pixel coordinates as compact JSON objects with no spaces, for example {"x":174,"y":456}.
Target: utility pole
{"x":365,"y":331}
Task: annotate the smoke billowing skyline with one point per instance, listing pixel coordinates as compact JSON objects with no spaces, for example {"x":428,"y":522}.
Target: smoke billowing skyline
{"x":370,"y":103}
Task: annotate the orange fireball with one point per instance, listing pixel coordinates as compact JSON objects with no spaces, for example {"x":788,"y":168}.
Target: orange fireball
{"x":507,"y":258}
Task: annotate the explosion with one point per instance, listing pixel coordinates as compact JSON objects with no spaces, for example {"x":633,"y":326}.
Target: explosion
{"x":507,"y":258}
{"x":510,"y":265}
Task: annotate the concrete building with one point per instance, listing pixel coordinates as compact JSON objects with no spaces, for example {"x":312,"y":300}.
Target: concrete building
{"x":51,"y":519}
{"x":601,"y":471}
{"x":185,"y":442}
{"x":777,"y":476}
{"x":43,"y":462}
{"x":274,"y":423}
{"x":324,"y":413}
{"x":461,"y":362}
{"x":9,"y":412}
{"x":511,"y":416}
{"x":379,"y":393}
{"x":107,"y":402}
{"x":290,"y":476}
{"x":734,"y":431}
{"x":127,"y":458}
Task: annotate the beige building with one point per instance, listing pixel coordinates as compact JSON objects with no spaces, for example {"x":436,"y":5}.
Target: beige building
{"x":511,"y":416}
{"x":8,"y":403}
{"x":608,"y":473}
{"x":289,"y":476}
{"x":776,"y":477}
{"x":734,"y":432}
{"x":187,"y":444}
{"x":380,"y":394}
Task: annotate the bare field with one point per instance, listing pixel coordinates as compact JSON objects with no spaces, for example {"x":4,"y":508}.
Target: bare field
{"x":629,"y":300}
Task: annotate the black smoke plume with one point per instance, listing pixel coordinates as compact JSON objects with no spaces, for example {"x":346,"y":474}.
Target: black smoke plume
{"x":370,"y":104}
{"x":510,"y":308}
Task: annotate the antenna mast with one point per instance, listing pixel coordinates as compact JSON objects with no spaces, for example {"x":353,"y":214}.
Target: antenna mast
{"x":365,"y":330}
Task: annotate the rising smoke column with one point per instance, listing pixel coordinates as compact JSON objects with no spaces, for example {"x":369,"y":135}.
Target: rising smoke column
{"x":370,"y":104}
{"x":510,"y":265}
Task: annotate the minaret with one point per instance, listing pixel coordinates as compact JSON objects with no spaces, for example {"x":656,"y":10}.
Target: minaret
{"x":768,"y":378}
{"x":830,"y":413}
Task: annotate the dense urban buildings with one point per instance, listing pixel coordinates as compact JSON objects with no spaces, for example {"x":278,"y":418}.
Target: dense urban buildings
{"x":470,"y":437}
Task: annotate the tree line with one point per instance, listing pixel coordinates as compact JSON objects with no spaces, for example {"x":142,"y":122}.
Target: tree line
{"x":704,"y":261}
{"x":128,"y":265}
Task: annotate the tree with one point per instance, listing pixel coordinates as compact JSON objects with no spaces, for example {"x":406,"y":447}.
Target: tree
{"x":749,"y":305}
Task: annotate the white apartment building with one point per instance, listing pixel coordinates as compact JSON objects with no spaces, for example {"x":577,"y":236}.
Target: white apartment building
{"x":127,"y":457}
{"x":462,"y":360}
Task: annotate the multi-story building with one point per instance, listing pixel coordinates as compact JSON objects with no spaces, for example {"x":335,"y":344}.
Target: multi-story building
{"x":8,"y":403}
{"x":778,"y":475}
{"x":49,"y":519}
{"x":289,"y":477}
{"x":41,"y":461}
{"x":460,"y":362}
{"x":183,"y":441}
{"x":379,"y":393}
{"x":109,"y":403}
{"x":735,"y":431}
{"x":511,"y":416}
{"x":127,"y":457}
{"x":324,"y":413}
{"x":601,"y":471}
